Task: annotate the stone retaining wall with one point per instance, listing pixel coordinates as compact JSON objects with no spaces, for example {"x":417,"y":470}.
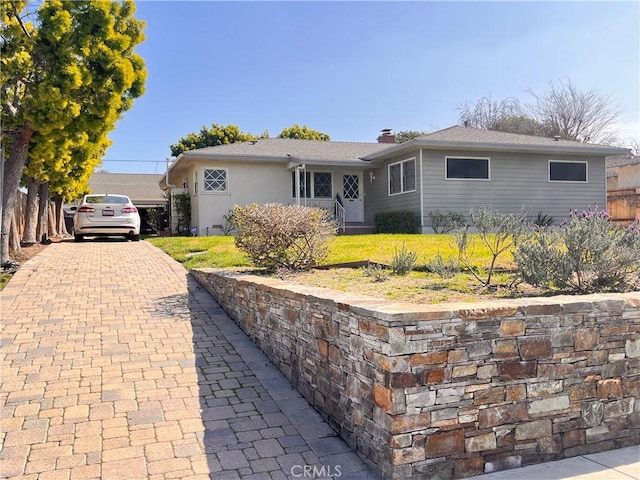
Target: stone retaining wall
{"x":451,"y":390}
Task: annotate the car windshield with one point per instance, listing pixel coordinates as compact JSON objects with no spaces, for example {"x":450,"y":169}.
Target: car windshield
{"x":107,"y":199}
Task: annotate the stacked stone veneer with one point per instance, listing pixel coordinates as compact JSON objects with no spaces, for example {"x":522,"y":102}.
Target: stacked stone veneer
{"x":451,"y":390}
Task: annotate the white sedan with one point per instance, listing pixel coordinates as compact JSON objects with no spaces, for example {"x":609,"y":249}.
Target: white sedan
{"x":106,"y":215}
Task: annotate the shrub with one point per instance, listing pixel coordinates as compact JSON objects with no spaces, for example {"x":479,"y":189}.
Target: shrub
{"x":586,"y":254}
{"x":403,"y":261}
{"x":499,"y":232}
{"x":540,"y":259}
{"x":182,"y":203}
{"x":543,"y":220}
{"x":157,"y":218}
{"x":376,"y":272}
{"x":442,"y":268}
{"x":445,"y":222}
{"x":228,"y":227}
{"x":395,"y":222}
{"x":283,"y":236}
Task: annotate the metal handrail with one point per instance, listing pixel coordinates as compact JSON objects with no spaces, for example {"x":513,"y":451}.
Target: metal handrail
{"x":340,"y":215}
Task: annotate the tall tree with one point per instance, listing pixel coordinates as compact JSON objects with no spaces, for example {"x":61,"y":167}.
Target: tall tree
{"x":561,"y":110}
{"x":408,"y":135}
{"x":507,"y":115}
{"x":303,"y":133}
{"x":69,"y":72}
{"x":523,"y":124}
{"x":210,"y":137}
{"x":586,"y":116}
{"x":486,"y":112}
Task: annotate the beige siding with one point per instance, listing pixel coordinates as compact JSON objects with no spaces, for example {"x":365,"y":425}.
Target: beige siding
{"x":246,"y":183}
{"x":251,"y":183}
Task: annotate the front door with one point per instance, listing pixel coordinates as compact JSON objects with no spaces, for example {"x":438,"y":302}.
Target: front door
{"x":352,"y":198}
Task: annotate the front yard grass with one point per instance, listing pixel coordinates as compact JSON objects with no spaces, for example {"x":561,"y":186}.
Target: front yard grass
{"x":220,"y":251}
{"x":419,"y":286}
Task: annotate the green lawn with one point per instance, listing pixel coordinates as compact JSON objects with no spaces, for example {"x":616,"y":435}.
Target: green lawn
{"x":220,"y":251}
{"x":4,"y":279}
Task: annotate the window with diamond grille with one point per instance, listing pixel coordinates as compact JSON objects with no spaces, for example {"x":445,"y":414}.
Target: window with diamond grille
{"x":320,"y":188}
{"x":215,"y":180}
{"x":322,"y":185}
{"x":351,"y":187}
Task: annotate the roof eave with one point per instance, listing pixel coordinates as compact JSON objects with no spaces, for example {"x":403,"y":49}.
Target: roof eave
{"x":482,"y":146}
{"x":188,"y":157}
{"x":195,"y":155}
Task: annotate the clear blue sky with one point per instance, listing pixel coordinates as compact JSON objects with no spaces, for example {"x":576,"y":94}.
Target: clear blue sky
{"x":351,"y":69}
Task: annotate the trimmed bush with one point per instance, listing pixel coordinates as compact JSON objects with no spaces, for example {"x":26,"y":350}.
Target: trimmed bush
{"x":395,"y":222}
{"x":283,"y":236}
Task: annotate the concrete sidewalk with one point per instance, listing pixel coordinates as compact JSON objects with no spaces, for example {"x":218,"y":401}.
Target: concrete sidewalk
{"x":622,"y":464}
{"x":116,"y":367}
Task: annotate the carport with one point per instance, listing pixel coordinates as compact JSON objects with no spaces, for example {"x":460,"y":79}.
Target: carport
{"x":142,"y":188}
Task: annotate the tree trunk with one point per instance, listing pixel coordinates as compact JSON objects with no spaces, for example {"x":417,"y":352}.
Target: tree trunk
{"x":43,"y":212}
{"x":14,"y":236}
{"x":59,"y":215}
{"x":13,"y":169}
{"x":31,"y":213}
{"x":53,"y":227}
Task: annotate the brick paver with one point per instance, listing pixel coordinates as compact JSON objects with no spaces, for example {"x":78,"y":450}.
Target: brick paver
{"x":116,"y":365}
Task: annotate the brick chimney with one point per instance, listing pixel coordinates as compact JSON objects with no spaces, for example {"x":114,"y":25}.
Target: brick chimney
{"x":386,"y":136}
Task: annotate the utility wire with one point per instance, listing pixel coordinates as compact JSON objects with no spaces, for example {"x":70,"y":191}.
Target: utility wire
{"x":132,"y":161}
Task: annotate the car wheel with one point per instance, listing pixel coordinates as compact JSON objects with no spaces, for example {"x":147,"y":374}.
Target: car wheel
{"x":134,"y":238}
{"x":78,"y":237}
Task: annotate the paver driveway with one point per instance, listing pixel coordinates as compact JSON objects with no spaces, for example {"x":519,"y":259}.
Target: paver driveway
{"x":116,"y":365}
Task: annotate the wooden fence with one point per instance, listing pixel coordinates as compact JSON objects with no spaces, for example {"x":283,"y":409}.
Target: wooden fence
{"x":624,"y":205}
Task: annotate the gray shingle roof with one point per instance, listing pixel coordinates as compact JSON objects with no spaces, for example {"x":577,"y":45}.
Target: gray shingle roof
{"x":315,"y":152}
{"x":141,"y":188}
{"x":475,"y":135}
{"x":291,"y":149}
{"x":487,"y":140}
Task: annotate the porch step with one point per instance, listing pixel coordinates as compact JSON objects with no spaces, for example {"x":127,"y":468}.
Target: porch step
{"x":358,"y":229}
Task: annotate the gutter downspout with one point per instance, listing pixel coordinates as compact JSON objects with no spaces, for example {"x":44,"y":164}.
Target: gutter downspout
{"x":299,"y":168}
{"x":166,"y":176}
{"x":421,"y":195}
{"x":169,"y":187}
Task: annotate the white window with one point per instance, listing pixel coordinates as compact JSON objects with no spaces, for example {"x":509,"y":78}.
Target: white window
{"x":215,"y":180}
{"x":402,"y":177}
{"x":195,"y":182}
{"x":312,"y":185}
{"x":466,"y":168}
{"x":568,"y":171}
